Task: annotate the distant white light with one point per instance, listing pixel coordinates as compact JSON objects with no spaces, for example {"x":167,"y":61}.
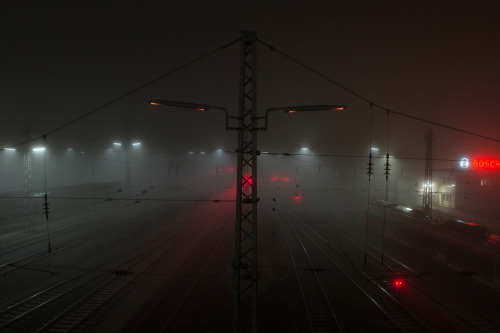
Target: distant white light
{"x":39,"y":149}
{"x":374,"y":149}
{"x":136,"y":143}
{"x":69,"y":149}
{"x":464,"y":163}
{"x":304,"y":148}
{"x":219,"y":150}
{"x":82,"y":152}
{"x":117,"y":143}
{"x":202,"y":152}
{"x":191,"y":152}
{"x":11,"y":149}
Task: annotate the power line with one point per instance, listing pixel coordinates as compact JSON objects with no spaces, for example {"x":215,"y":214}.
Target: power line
{"x":124,"y":95}
{"x":361,"y":97}
{"x":120,"y":199}
{"x":359,"y":156}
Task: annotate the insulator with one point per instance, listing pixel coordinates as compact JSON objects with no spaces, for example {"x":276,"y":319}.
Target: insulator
{"x":370,"y":166}
{"x":387,"y":165}
{"x":46,"y":208}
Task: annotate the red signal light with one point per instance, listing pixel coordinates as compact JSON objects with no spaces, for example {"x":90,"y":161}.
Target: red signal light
{"x":246,"y":181}
{"x":398,"y":283}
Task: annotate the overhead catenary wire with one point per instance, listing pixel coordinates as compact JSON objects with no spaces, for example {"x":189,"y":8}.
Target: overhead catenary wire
{"x":122,"y":96}
{"x":272,"y":48}
{"x":359,"y":156}
{"x":365,"y":99}
{"x":120,"y":199}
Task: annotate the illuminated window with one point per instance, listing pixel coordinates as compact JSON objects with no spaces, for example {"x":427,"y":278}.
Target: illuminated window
{"x":485,"y":182}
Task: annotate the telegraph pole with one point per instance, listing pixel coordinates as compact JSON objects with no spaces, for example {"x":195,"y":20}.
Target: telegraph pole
{"x":28,"y":205}
{"x":126,"y":146}
{"x":245,"y":259}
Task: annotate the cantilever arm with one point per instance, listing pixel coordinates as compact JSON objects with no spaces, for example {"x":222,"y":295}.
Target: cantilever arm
{"x":301,"y":108}
{"x":194,"y":106}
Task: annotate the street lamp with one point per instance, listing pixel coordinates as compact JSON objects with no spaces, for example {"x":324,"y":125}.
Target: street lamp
{"x":195,"y":106}
{"x":127,"y":145}
{"x":286,"y":109}
{"x":300,"y":108}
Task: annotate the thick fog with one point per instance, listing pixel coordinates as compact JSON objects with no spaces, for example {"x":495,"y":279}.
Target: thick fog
{"x":419,"y":83}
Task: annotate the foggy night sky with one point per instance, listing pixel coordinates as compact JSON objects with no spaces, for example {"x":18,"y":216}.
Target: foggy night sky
{"x":432,"y":59}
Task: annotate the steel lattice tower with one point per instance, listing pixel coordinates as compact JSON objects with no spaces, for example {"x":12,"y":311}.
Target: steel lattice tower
{"x":245,"y":259}
{"x":427,"y":198}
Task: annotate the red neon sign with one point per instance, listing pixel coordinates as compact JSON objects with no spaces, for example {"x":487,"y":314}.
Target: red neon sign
{"x":486,"y":163}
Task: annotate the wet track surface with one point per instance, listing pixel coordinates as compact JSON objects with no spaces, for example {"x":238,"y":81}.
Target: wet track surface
{"x":140,"y":265}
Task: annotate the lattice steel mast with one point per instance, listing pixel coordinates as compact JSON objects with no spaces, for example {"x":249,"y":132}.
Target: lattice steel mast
{"x":245,"y":259}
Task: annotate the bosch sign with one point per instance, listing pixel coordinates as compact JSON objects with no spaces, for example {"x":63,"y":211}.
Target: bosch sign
{"x":480,"y":163}
{"x":486,"y":164}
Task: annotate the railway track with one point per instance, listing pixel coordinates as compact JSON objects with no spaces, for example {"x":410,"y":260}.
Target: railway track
{"x":164,"y":312}
{"x":319,"y":315}
{"x":428,"y":303}
{"x":75,"y":302}
{"x":343,"y":287}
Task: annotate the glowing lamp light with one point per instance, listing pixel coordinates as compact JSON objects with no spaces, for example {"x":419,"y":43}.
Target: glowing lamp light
{"x":136,"y":143}
{"x":10,"y":149}
{"x":305,"y":108}
{"x":117,"y":143}
{"x":195,"y":106}
{"x":39,"y":149}
{"x":464,"y":163}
